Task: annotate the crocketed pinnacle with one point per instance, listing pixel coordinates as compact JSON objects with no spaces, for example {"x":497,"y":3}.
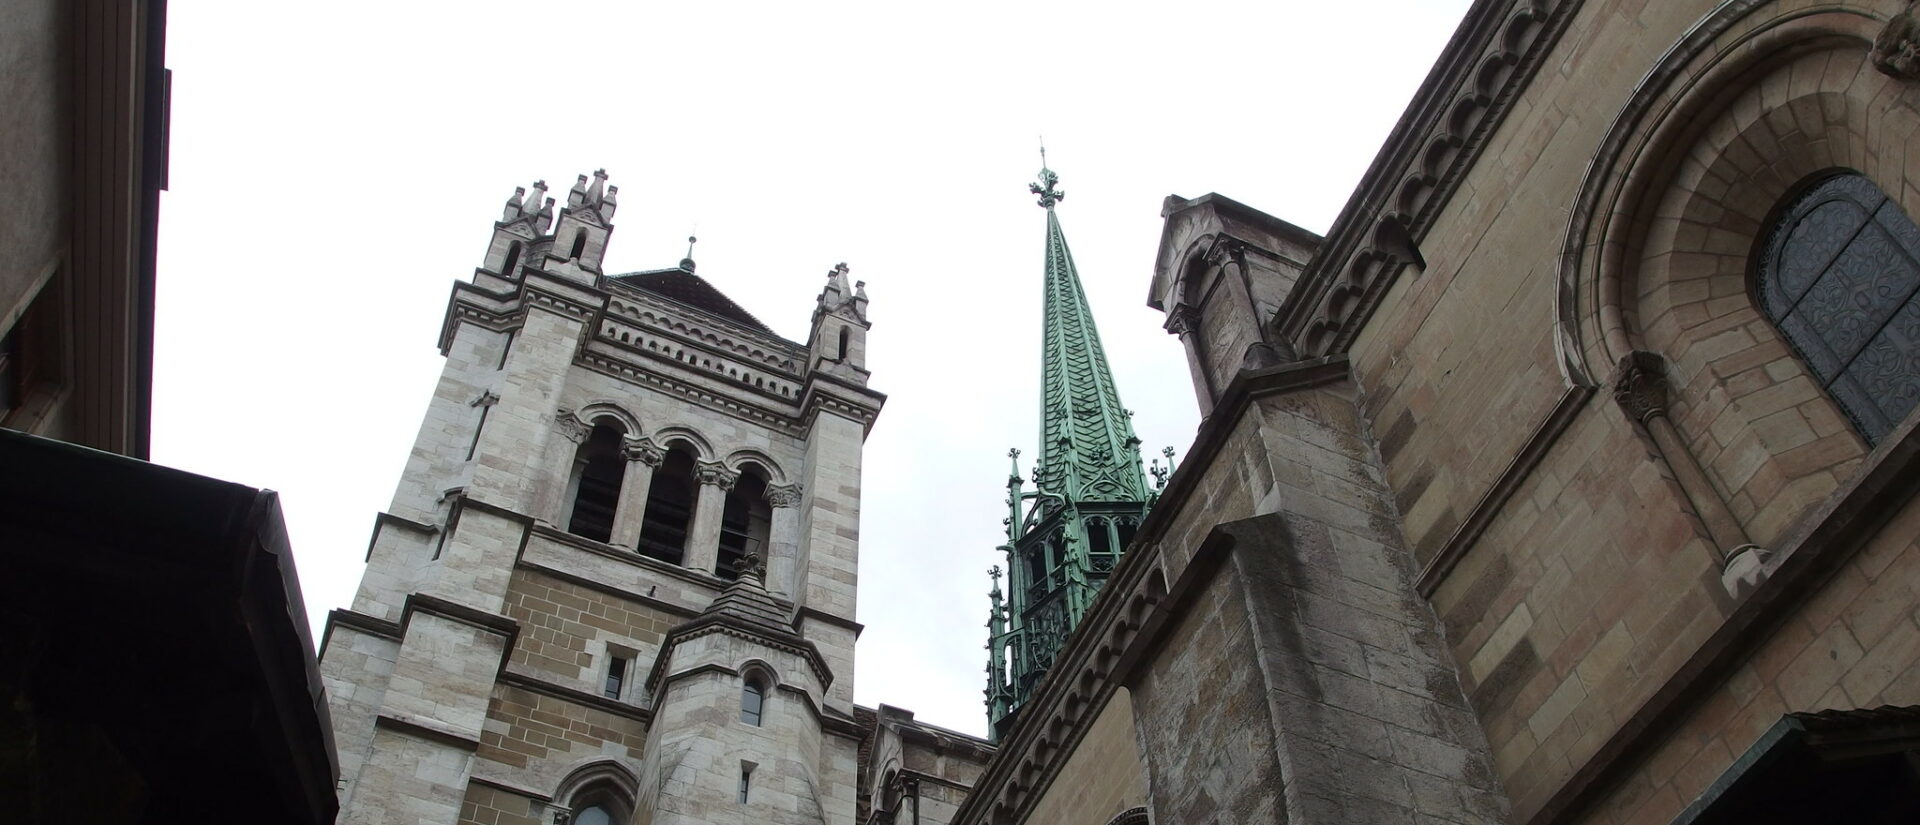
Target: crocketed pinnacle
{"x":1088,"y":451}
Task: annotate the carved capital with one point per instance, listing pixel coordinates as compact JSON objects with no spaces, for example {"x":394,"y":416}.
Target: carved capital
{"x":1225,"y":251}
{"x":1896,"y":52}
{"x":642,"y":450}
{"x":571,"y":426}
{"x":784,"y":495}
{"x":1640,"y":385}
{"x":715,"y":473}
{"x":1182,"y":319}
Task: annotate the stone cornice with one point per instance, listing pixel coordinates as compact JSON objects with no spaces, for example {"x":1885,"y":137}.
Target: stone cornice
{"x":423,"y":729}
{"x":525,"y":681}
{"x":823,"y":617}
{"x":708,"y":623}
{"x":842,"y":397}
{"x":705,"y":580}
{"x":370,"y":625}
{"x":1492,"y":56}
{"x":633,"y":373}
{"x":625,"y":296}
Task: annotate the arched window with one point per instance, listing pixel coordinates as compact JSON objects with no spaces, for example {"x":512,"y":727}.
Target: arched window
{"x":1838,"y":277}
{"x":1099,"y":541}
{"x":669,"y":513}
{"x":743,"y":523}
{"x":597,"y":472}
{"x":600,"y":803}
{"x":513,"y":259}
{"x":753,"y":697}
{"x":579,"y":244}
{"x":846,"y":335}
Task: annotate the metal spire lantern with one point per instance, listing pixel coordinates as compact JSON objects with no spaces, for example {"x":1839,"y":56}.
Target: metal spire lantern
{"x":1065,"y":535}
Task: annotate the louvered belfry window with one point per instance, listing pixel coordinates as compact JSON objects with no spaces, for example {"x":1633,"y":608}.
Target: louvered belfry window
{"x":1839,"y":277}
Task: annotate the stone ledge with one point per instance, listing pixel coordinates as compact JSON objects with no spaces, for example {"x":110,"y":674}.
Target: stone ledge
{"x":513,"y":678}
{"x":421,"y":729}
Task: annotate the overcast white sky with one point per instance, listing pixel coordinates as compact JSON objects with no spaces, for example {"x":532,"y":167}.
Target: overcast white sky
{"x":336,"y":166}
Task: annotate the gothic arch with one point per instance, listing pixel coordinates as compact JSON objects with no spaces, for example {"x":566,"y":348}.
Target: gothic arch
{"x":598,"y":779}
{"x":1757,"y":99}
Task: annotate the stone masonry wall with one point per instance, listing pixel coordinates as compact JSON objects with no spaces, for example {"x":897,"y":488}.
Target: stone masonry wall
{"x":565,"y":629}
{"x":1302,"y":677}
{"x":1595,"y":581}
{"x":1103,"y":777}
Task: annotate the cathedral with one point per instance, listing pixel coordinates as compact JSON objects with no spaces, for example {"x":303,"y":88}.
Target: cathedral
{"x":1568,"y":479}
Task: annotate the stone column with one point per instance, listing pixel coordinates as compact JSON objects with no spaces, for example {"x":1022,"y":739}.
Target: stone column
{"x":703,"y":540}
{"x":783,"y":537}
{"x":560,"y":455}
{"x":642,"y":456}
{"x":1640,"y":386}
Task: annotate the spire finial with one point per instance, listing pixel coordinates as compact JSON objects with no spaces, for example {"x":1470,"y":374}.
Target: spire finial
{"x":1046,"y":189}
{"x":687,"y":262}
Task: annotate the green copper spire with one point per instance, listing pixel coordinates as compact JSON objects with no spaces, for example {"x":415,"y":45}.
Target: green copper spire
{"x":1089,"y":494}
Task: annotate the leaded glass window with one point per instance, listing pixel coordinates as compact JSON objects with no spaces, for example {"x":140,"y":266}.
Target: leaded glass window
{"x":1839,"y":277}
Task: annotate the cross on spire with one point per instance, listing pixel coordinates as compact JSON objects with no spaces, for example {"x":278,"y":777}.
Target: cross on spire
{"x":1049,"y":193}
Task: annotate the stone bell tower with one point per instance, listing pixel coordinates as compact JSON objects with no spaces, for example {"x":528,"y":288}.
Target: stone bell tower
{"x":616,"y":581}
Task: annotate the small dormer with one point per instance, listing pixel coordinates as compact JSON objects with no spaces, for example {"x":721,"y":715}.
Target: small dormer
{"x":837,"y":346}
{"x":520,"y":236}
{"x":580,"y":237}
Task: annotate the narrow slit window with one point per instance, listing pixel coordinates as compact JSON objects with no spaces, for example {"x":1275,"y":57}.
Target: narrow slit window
{"x":746,"y":781}
{"x":752,"y":700}
{"x":513,"y":260}
{"x":616,"y":676}
{"x":579,"y":244}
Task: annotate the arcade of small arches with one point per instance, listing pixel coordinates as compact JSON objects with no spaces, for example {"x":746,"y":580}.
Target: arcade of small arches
{"x":662,"y":497}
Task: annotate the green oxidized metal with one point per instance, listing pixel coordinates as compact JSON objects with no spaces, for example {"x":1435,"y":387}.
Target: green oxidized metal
{"x":1066,"y":534}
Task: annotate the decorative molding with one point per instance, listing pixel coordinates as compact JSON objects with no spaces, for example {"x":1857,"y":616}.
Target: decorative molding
{"x":526,"y":681}
{"x":486,"y":399}
{"x":1522,"y":465}
{"x":715,"y":473}
{"x":571,"y":426}
{"x":621,"y":369}
{"x":370,"y":625}
{"x":642,"y":450}
{"x":421,"y":730}
{"x":1492,"y":56}
{"x":1640,"y":385}
{"x":784,"y":495}
{"x":1896,"y":52}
